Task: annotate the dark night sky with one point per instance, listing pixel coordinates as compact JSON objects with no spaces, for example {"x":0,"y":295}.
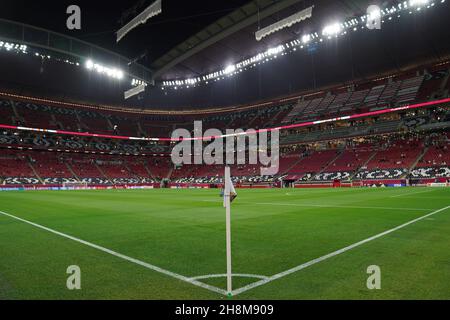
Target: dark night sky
{"x":100,"y":19}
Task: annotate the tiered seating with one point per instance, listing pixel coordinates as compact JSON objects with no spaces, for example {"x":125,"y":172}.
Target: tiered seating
{"x":6,"y":112}
{"x":350,"y":160}
{"x":312,"y":108}
{"x":346,"y":165}
{"x":355,"y":100}
{"x":430,"y":84}
{"x":288,"y":161}
{"x":113,"y":168}
{"x":50,"y":165}
{"x":152,"y":129}
{"x":298,"y":109}
{"x":313,"y":163}
{"x":389,"y":94}
{"x":117,"y":171}
{"x":35,"y":116}
{"x":245,"y":170}
{"x":409,"y":89}
{"x":325,"y":103}
{"x":160,"y":167}
{"x":372,"y":98}
{"x":68,"y":122}
{"x":436,"y":157}
{"x":138,"y":168}
{"x":339,"y":102}
{"x":400,"y":154}
{"x":15,"y":168}
{"x":97,"y":125}
{"x":282,"y":114}
{"x":126,"y":128}
{"x":393,"y":161}
{"x":85,"y":168}
{"x":263,"y":117}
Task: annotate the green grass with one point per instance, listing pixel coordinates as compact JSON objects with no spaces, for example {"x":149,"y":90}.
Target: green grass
{"x":183,"y":231}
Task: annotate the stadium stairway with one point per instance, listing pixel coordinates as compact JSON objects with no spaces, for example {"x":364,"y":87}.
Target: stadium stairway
{"x":170,"y":172}
{"x":276,"y":120}
{"x":150,"y":174}
{"x":424,"y":152}
{"x":103,"y":173}
{"x":72,"y":172}
{"x":328,"y":165}
{"x":13,"y":106}
{"x":252,"y":121}
{"x":110,"y":126}
{"x":292,"y":166}
{"x":35,"y":172}
{"x":131,"y":172}
{"x":363,"y":165}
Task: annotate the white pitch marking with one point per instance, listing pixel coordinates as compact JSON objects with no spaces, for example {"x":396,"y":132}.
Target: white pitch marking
{"x":411,"y":193}
{"x":238,"y":275}
{"x":333,"y":254}
{"x":323,"y":206}
{"x":121,"y":256}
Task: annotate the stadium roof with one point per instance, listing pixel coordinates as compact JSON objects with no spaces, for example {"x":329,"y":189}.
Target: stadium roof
{"x":232,"y":37}
{"x":191,"y":39}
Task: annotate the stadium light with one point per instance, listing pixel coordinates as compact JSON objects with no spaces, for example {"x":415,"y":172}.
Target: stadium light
{"x":109,"y":71}
{"x":418,"y":3}
{"x":89,"y":64}
{"x":374,"y":14}
{"x":332,"y":29}
{"x":18,"y":48}
{"x":353,"y":24}
{"x":306,"y":38}
{"x":230,"y":69}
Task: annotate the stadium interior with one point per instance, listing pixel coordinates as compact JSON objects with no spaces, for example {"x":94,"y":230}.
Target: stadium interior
{"x":387,"y":149}
{"x":89,"y":117}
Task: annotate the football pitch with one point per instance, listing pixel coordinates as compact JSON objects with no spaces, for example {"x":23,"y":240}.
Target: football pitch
{"x":170,"y":244}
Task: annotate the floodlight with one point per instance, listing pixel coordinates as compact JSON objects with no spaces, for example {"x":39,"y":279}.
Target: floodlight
{"x":89,"y":64}
{"x":229,"y":69}
{"x":332,"y":29}
{"x":306,"y":38}
{"x":374,"y":14}
{"x":418,"y":2}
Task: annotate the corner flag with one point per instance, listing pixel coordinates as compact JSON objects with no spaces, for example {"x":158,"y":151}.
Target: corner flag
{"x":229,"y":195}
{"x":232,"y":192}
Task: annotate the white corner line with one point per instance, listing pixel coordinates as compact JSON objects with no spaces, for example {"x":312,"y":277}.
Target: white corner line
{"x":237,"y":275}
{"x":124,"y":257}
{"x":331,"y":255}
